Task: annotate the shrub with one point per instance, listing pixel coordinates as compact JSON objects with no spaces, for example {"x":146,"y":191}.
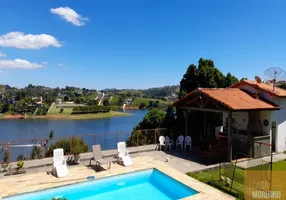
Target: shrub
{"x":20,"y":164}
{"x":106,"y":102}
{"x":153,"y":120}
{"x":63,"y":143}
{"x":92,"y":102}
{"x":142,"y":105}
{"x":36,"y":153}
{"x":90,"y":109}
{"x":22,"y":157}
{"x":43,"y":110}
{"x":6,"y":157}
{"x":69,"y":145}
{"x":78,"y":146}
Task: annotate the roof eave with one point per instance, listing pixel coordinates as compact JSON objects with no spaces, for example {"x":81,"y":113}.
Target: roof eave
{"x":176,"y":103}
{"x":255,"y":109}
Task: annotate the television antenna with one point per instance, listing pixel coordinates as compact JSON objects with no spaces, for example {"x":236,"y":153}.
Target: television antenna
{"x":258,"y":79}
{"x":275,"y":76}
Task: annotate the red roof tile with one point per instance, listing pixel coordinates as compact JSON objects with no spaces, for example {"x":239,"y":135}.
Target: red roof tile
{"x":232,"y":98}
{"x":263,"y":86}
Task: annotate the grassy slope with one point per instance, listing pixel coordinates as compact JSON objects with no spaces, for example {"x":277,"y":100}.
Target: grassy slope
{"x":211,"y":176}
{"x":66,"y":114}
{"x":91,"y":97}
{"x":55,"y":110}
{"x":114,"y":100}
{"x":139,"y":100}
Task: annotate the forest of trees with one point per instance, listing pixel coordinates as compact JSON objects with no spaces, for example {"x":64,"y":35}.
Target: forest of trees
{"x":158,"y":92}
{"x":205,"y":75}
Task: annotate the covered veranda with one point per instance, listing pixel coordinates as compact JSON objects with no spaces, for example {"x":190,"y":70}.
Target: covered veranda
{"x":213,"y":115}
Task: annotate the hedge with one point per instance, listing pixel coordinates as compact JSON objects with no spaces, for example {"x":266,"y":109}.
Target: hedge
{"x":90,"y":109}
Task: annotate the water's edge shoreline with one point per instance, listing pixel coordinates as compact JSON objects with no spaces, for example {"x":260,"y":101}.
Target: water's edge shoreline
{"x":68,"y":117}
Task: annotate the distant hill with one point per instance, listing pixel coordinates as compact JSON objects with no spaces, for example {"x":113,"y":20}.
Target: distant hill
{"x":165,"y":92}
{"x":161,"y":92}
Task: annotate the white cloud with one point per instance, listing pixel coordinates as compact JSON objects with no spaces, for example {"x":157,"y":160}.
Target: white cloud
{"x":61,"y":65}
{"x":29,"y":41}
{"x":2,"y":54}
{"x":69,"y":15}
{"x":44,"y":63}
{"x":19,"y":64}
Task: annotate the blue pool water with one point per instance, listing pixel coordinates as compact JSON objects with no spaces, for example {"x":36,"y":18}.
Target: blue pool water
{"x":142,"y":185}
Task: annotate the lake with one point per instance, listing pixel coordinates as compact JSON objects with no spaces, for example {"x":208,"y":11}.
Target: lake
{"x":107,"y":128}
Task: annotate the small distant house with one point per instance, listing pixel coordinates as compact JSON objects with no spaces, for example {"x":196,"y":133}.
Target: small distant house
{"x":58,"y":101}
{"x":127,"y":101}
{"x":11,"y":101}
{"x":39,"y":104}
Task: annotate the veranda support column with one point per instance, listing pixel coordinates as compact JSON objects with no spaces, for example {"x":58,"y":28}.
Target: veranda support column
{"x":186,"y":122}
{"x":230,"y":136}
{"x":205,"y":125}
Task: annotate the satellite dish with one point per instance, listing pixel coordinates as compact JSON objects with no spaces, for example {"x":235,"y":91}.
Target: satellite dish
{"x":258,"y":79}
{"x":275,"y":76}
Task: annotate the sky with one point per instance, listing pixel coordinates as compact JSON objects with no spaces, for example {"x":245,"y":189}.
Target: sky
{"x":136,"y":44}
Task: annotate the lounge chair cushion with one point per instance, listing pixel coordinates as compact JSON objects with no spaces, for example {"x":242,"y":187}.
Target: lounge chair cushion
{"x":126,"y":161}
{"x":61,"y":171}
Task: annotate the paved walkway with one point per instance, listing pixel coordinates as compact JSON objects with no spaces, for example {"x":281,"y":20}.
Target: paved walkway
{"x":178,"y":160}
{"x":85,"y":157}
{"x":256,"y":162}
{"x":17,"y":184}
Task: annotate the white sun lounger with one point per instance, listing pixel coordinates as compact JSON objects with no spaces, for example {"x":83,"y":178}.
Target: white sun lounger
{"x":123,"y":155}
{"x":59,"y":165}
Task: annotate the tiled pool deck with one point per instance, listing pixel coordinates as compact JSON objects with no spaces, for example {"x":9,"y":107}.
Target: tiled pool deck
{"x":17,"y":184}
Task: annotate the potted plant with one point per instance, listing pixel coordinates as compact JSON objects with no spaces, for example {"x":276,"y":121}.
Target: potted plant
{"x":77,"y":146}
{"x":20,"y":164}
{"x":19,"y":169}
{"x":76,"y":150}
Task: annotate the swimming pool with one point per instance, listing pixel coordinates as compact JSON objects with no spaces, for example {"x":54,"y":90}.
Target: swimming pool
{"x":140,"y":185}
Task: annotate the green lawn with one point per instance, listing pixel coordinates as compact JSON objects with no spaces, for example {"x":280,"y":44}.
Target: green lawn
{"x":139,"y":100}
{"x":211,"y":177}
{"x":55,"y":110}
{"x":91,"y":97}
{"x":87,"y":116}
{"x":66,"y":114}
{"x":114,"y":100}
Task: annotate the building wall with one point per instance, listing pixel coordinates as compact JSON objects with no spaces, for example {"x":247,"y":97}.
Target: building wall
{"x":241,"y":120}
{"x":262,"y":94}
{"x":266,"y":130}
{"x":279,"y":117}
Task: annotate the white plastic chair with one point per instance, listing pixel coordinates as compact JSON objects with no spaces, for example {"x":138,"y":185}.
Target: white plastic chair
{"x":218,"y":129}
{"x":188,"y":142}
{"x":123,"y":154}
{"x":169,"y":143}
{"x":180,"y":141}
{"x":59,"y":163}
{"x":162,"y":142}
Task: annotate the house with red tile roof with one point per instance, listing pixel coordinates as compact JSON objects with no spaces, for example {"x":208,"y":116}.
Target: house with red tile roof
{"x":247,"y":111}
{"x":277,"y":119}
